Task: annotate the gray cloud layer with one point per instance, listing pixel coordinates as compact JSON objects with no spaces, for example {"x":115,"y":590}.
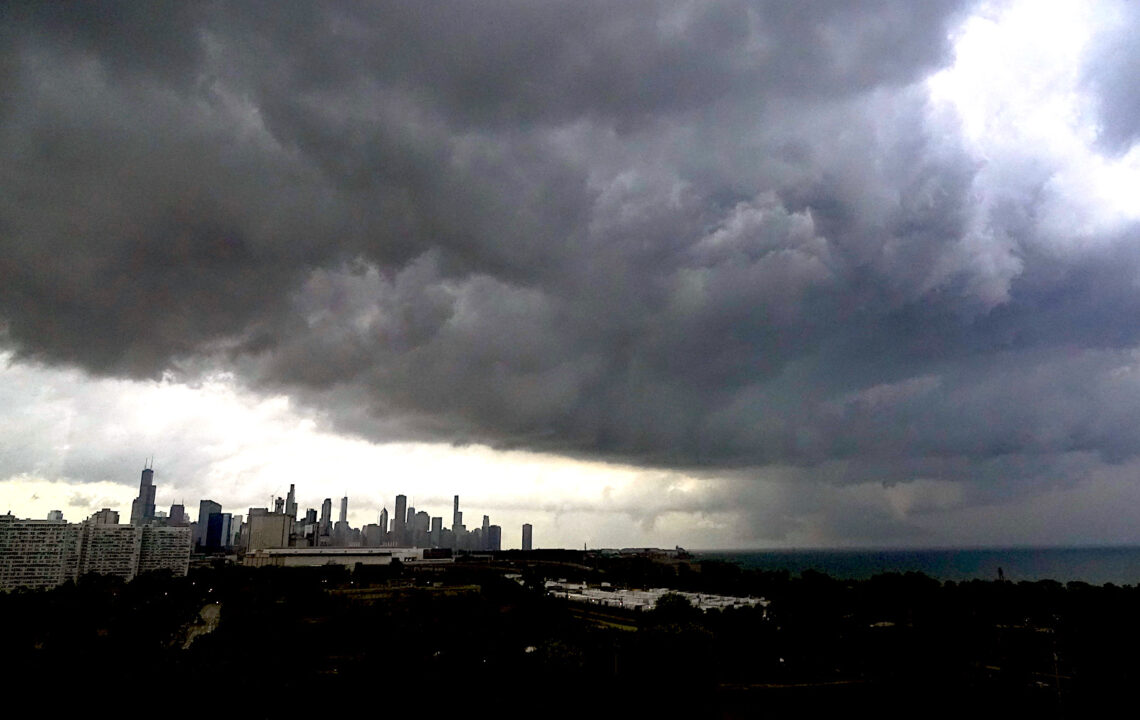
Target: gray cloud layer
{"x":716,"y":234}
{"x":1111,"y":73}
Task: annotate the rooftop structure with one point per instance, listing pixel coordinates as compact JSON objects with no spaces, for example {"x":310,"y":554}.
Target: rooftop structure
{"x":643,"y":599}
{"x":348,"y":557}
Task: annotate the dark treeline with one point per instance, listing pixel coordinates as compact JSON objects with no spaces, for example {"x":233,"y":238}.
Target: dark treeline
{"x":388,"y":637}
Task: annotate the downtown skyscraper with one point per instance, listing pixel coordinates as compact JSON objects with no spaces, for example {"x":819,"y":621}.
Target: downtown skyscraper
{"x":142,"y":509}
{"x":399,"y":520}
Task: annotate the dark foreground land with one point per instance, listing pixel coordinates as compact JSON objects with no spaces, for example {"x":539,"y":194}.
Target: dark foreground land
{"x":465,"y":638}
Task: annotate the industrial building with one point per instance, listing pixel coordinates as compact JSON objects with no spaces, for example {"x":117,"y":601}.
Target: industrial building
{"x":347,"y":557}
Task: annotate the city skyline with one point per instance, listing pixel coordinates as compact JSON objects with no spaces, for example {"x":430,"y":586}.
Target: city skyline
{"x":205,"y":536}
{"x":729,"y":274}
{"x":45,"y":553}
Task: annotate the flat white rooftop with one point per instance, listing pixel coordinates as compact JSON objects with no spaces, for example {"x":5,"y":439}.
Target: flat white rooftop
{"x":340,"y":551}
{"x":644,"y":599}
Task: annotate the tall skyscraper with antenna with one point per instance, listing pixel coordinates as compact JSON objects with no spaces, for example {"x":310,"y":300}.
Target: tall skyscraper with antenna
{"x":142,"y":509}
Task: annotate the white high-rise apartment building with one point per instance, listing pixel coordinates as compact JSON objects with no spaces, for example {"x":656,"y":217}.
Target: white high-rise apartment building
{"x":110,"y":550}
{"x":165,"y":548}
{"x":37,"y":554}
{"x":41,"y":554}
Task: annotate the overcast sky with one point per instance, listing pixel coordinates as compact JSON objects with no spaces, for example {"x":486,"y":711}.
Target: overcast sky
{"x":717,"y":274}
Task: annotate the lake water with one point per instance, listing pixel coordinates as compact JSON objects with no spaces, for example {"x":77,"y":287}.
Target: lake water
{"x":1119,"y":565}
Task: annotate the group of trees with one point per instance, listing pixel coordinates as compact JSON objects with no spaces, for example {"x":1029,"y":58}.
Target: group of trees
{"x":820,"y":642}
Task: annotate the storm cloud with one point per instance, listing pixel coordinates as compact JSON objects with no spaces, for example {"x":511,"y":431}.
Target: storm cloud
{"x":716,"y":235}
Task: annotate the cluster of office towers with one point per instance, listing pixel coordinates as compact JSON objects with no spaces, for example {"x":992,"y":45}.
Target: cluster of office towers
{"x":214,"y":529}
{"x":404,"y":528}
{"x":262,"y":528}
{"x":46,"y":553}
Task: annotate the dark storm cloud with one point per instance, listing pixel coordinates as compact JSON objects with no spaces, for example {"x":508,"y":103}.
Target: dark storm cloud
{"x":711,"y":234}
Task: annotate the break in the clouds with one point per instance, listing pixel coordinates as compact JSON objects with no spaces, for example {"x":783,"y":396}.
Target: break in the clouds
{"x":848,"y":267}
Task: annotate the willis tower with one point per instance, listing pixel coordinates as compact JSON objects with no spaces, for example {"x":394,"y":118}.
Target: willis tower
{"x":142,"y":509}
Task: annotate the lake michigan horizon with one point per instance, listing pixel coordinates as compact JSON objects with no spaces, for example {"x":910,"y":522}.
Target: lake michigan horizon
{"x":1119,"y":565}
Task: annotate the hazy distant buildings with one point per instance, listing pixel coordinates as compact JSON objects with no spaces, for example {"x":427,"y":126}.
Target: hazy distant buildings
{"x":457,"y":538}
{"x":105,"y":517}
{"x":235,"y":532}
{"x":421,"y":528}
{"x":399,"y":520}
{"x":326,"y":517}
{"x":406,"y":527}
{"x":436,"y":533}
{"x":306,"y":530}
{"x":177,"y":516}
{"x":343,"y":534}
{"x":371,"y":536}
{"x":291,"y":503}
